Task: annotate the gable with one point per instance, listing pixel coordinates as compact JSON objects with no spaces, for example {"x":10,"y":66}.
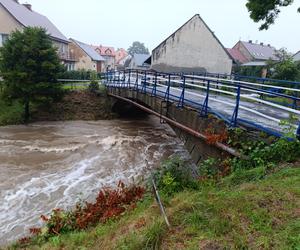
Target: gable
{"x":8,"y":23}
{"x":28,"y":18}
{"x":296,"y":57}
{"x":193,"y":46}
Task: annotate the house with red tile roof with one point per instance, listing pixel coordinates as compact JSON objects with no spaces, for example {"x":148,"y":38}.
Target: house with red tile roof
{"x":121,"y":55}
{"x":109,"y":54}
{"x":257,"y":54}
{"x":237,"y":56}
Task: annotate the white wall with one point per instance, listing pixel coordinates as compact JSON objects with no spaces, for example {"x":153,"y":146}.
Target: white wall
{"x":192,"y":48}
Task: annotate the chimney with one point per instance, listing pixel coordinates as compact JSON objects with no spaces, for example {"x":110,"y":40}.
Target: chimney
{"x":250,"y":41}
{"x":28,"y":6}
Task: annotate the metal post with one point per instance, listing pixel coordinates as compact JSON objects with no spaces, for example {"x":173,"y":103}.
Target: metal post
{"x":145,"y":83}
{"x":295,"y":106}
{"x":167,"y":94}
{"x":137,"y":81}
{"x":236,"y":110}
{"x":119,"y":79}
{"x":155,"y":85}
{"x":204,"y":109}
{"x":129,"y":76}
{"x":181,"y":99}
{"x":124,"y":79}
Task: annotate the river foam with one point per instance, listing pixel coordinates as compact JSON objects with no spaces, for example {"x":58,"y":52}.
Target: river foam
{"x":55,"y":165}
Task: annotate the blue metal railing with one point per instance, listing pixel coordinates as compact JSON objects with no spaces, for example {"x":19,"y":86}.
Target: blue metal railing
{"x":160,"y":84}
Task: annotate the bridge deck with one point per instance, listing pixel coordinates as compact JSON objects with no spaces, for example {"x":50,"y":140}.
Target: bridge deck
{"x":236,"y":104}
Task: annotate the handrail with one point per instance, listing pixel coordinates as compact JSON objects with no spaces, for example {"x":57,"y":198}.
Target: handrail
{"x":149,"y":81}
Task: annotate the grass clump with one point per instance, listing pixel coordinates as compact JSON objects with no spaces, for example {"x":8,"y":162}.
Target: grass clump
{"x":11,"y":112}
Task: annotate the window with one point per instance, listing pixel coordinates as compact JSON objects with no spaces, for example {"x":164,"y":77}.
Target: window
{"x":3,"y":38}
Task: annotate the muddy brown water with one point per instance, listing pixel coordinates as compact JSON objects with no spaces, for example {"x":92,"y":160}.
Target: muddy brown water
{"x":55,"y":164}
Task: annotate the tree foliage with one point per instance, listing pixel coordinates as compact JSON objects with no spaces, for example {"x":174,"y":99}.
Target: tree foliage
{"x":137,"y":48}
{"x":285,"y":68}
{"x":266,"y":10}
{"x":29,"y":66}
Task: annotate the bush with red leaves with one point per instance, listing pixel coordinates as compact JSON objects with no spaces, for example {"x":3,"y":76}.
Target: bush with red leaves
{"x":109,"y":204}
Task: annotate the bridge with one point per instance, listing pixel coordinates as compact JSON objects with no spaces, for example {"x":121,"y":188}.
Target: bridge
{"x":188,"y":102}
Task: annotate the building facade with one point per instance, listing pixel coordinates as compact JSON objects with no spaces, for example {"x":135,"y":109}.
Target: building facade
{"x":15,"y":16}
{"x":192,"y":48}
{"x":86,"y":57}
{"x":108,"y":53}
{"x":296,"y":57}
{"x":137,"y":61}
{"x":256,"y":54}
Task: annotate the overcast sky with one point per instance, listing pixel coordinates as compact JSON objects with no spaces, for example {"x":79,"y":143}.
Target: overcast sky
{"x":120,"y":22}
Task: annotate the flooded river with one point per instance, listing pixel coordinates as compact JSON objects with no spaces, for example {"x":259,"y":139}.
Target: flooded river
{"x":54,"y":165}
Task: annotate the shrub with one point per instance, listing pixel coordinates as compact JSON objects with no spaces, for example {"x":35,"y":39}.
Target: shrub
{"x":175,"y":175}
{"x":93,"y":86}
{"x":109,"y":204}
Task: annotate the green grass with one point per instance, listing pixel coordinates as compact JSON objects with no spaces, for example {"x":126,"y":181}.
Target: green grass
{"x":76,"y":85}
{"x":257,"y":214}
{"x":11,"y":113}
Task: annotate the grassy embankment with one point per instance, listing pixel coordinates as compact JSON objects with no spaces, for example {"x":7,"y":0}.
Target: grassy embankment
{"x":13,"y":113}
{"x":257,"y":214}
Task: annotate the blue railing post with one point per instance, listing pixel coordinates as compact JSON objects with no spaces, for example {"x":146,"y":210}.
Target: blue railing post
{"x":144,"y":85}
{"x":124,"y":79}
{"x":129,"y":78}
{"x":236,"y":110}
{"x":204,"y":109}
{"x":167,"y":94}
{"x":155,"y":85}
{"x":119,"y":79}
{"x":113,"y":78}
{"x":181,"y":99}
{"x":137,"y":81}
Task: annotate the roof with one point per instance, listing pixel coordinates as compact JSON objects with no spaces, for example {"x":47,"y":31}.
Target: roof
{"x":198,"y":16}
{"x":296,"y":57}
{"x":89,"y":50}
{"x":140,"y":59}
{"x":237,"y":56}
{"x":255,"y":63}
{"x":29,"y":18}
{"x":105,"y":51}
{"x":260,"y":51}
{"x":120,"y":55}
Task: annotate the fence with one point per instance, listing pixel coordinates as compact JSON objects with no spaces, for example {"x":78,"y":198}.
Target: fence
{"x":262,"y":105}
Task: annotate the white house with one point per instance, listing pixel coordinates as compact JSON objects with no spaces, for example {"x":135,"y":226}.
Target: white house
{"x":192,"y":48}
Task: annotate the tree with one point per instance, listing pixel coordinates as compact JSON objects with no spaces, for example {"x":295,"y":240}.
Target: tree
{"x":137,"y":48}
{"x":29,"y":66}
{"x":266,"y":10}
{"x":285,"y":68}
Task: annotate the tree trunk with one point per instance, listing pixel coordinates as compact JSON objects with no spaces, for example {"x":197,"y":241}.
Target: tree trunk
{"x":26,"y":110}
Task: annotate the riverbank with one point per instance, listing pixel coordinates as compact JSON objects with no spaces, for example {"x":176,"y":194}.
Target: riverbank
{"x":75,"y":105}
{"x":261,"y":213}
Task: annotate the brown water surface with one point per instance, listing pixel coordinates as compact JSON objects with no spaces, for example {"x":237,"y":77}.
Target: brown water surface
{"x":55,"y":164}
